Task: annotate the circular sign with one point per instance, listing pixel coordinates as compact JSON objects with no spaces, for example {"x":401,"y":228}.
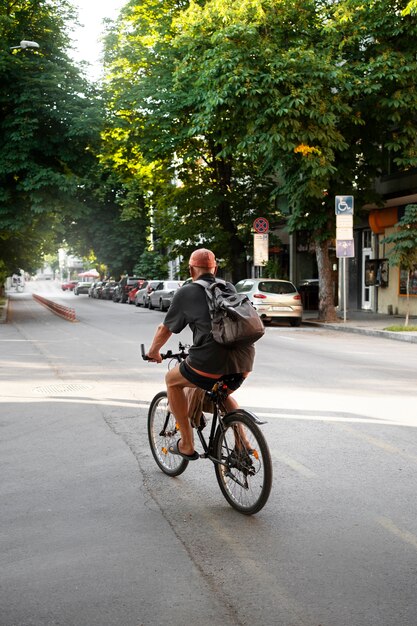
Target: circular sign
{"x":261,"y":225}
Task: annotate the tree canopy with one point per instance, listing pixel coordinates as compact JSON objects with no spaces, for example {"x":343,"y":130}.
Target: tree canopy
{"x":49,"y":125}
{"x":243,"y":103}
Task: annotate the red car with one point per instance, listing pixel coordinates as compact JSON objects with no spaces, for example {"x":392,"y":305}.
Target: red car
{"x":69,"y":286}
{"x":132,"y":293}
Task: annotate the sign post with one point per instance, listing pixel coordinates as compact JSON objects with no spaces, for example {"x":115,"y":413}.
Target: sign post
{"x":345,"y":247}
{"x":260,"y":242}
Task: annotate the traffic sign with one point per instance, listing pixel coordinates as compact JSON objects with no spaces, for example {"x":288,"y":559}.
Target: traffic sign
{"x":345,"y":248}
{"x":344,"y":221}
{"x":261,"y":225}
{"x":260,"y":249}
{"x":344,"y":205}
{"x":344,"y":233}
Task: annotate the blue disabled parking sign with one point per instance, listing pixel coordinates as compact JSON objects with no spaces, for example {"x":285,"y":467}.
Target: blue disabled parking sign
{"x":344,"y":205}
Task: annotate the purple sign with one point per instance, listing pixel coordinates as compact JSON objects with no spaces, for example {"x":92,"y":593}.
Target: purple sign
{"x":345,"y":248}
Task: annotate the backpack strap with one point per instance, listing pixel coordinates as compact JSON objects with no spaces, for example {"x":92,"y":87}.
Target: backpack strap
{"x":208,"y":283}
{"x":209,"y":287}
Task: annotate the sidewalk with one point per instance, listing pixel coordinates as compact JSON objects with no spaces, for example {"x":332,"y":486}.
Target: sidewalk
{"x":367,"y":323}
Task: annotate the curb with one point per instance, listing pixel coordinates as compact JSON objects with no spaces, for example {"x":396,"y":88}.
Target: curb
{"x":65,"y":312}
{"x":4,"y":313}
{"x":371,"y":332}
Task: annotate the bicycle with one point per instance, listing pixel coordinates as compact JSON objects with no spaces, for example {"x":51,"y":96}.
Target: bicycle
{"x":235,"y":445}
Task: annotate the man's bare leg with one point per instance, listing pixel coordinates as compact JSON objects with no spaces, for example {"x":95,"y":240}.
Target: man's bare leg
{"x":240,"y":431}
{"x":178,"y":403}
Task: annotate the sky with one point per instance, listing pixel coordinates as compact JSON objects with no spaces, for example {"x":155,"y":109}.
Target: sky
{"x":86,"y":38}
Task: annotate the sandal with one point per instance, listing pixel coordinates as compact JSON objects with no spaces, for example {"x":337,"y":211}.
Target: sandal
{"x":174,"y":449}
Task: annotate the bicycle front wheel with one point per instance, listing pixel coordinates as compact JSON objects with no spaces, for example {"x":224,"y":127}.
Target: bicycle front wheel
{"x":162,"y":432}
{"x":245,"y":472}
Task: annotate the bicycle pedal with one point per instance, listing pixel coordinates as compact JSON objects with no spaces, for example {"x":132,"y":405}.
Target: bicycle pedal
{"x":203,"y":422}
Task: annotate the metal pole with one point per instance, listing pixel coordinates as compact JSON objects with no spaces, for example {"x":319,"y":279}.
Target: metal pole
{"x":344,"y":289}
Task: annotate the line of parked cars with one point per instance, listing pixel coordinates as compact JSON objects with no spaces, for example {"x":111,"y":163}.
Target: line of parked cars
{"x":153,"y":294}
{"x":272,"y":298}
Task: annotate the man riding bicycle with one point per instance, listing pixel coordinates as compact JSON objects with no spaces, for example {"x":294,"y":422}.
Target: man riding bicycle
{"x":208,"y":361}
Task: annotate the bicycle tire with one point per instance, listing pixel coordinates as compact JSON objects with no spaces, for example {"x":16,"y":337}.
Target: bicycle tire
{"x":162,"y":432}
{"x":245,"y":479}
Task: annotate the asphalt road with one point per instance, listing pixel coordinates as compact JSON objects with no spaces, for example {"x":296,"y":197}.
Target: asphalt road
{"x":92,"y":533}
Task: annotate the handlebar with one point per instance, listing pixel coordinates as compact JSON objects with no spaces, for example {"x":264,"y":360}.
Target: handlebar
{"x":179,"y":356}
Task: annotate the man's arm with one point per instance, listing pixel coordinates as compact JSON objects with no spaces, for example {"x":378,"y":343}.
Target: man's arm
{"x":161,"y":337}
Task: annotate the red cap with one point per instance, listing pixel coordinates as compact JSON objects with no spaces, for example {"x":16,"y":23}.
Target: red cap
{"x":203,"y":258}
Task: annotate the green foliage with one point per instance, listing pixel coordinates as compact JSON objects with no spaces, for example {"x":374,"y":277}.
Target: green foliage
{"x":49,"y":122}
{"x":117,"y":241}
{"x":411,"y":8}
{"x":240,"y":103}
{"x":203,"y":188}
{"x":403,"y":252}
{"x":273,"y":269}
{"x":151,"y":265}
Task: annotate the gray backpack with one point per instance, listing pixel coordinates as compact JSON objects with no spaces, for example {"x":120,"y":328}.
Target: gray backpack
{"x":234,"y":321}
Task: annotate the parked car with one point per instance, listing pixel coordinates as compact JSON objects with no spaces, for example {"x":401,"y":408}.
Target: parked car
{"x":107,"y":291}
{"x":92,"y":287}
{"x":132,"y":293}
{"x":161,"y":296}
{"x":82,"y":288}
{"x":127,"y":283}
{"x":69,"y":285}
{"x":98,"y":288}
{"x":273,"y":299}
{"x":142,"y":294}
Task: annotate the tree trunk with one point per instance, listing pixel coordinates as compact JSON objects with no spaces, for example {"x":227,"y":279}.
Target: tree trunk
{"x":237,"y":250}
{"x":327,"y":311}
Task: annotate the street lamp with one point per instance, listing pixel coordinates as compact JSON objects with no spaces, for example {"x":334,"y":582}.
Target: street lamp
{"x":25,"y":44}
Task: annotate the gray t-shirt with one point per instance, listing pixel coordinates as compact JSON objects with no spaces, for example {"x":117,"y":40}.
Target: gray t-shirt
{"x":189,"y":307}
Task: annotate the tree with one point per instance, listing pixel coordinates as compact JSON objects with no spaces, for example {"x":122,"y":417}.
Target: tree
{"x":316,"y":92}
{"x":203,"y":189}
{"x":403,"y":253}
{"x":49,"y":123}
{"x":151,"y":265}
{"x":242,"y":103}
{"x":101,"y":227}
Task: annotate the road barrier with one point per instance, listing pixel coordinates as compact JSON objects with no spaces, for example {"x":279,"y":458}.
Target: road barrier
{"x":63,"y":311}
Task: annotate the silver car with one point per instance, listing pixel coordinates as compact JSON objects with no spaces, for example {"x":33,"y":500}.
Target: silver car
{"x":273,"y":298}
{"x":162,"y":294}
{"x":82,"y":288}
{"x":142,"y":294}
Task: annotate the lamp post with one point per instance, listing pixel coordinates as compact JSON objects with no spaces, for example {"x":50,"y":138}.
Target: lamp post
{"x":25,"y":44}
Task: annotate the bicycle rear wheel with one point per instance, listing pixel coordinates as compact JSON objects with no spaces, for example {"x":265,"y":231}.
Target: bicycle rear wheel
{"x":245,"y":475}
{"x":162,"y":432}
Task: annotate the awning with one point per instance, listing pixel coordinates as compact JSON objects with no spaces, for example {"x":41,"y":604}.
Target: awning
{"x":89,"y":274}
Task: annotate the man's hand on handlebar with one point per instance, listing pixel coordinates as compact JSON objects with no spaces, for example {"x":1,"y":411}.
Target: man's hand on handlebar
{"x":155,"y":357}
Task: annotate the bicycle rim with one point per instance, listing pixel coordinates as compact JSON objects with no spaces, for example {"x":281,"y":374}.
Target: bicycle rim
{"x":245,"y":478}
{"x":163,"y":432}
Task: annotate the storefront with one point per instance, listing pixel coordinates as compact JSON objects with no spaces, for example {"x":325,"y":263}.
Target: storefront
{"x":387,"y":284}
